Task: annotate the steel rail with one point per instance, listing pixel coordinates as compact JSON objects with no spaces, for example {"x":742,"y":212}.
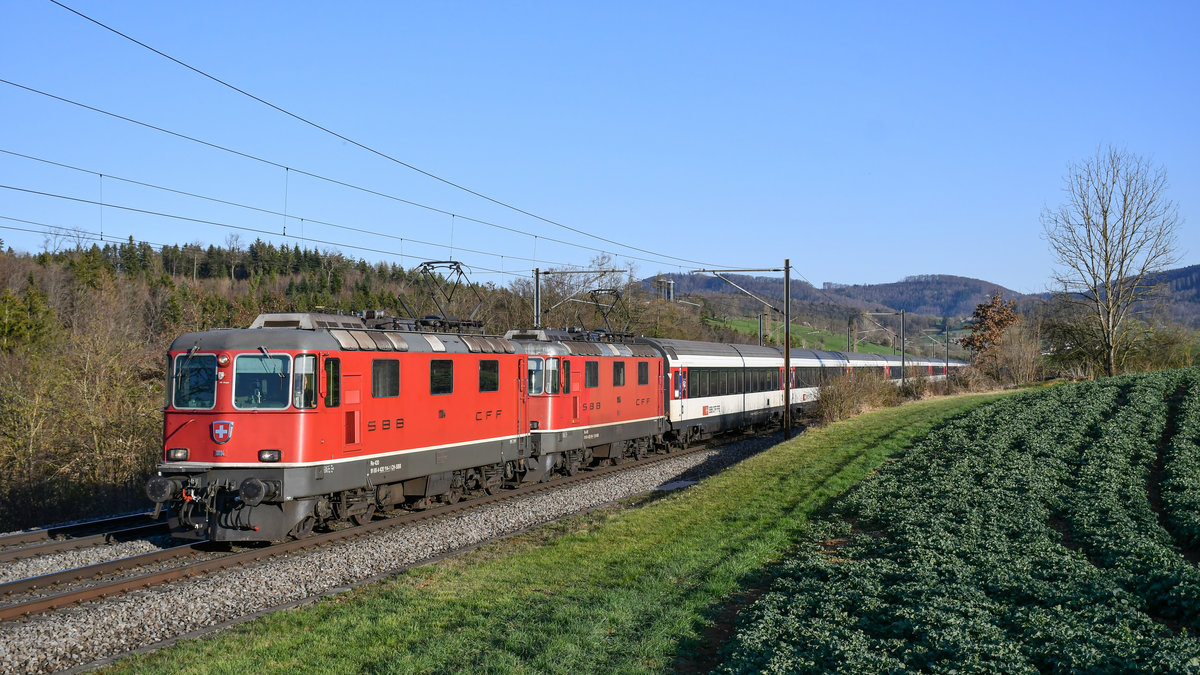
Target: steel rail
{"x":42,"y":534}
{"x":74,"y":543}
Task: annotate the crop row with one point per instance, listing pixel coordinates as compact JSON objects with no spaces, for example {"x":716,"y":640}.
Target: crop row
{"x":1181,"y":472}
{"x":1017,"y":538}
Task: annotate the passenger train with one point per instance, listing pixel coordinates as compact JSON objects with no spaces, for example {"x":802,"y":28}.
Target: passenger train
{"x":305,"y":419}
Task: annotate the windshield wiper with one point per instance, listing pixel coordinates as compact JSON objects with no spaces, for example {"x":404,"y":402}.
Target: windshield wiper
{"x":271,"y":360}
{"x":183,"y":366}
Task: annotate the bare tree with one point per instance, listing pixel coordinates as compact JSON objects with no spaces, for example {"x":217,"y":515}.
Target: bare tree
{"x":233,"y":242}
{"x":1112,"y":237}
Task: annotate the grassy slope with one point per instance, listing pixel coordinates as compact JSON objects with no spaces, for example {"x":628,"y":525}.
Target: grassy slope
{"x":612,"y":591}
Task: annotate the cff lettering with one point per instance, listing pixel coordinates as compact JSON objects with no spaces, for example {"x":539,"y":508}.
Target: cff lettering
{"x":484,"y":415}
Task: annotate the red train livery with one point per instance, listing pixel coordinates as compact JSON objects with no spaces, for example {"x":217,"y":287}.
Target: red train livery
{"x":305,"y":419}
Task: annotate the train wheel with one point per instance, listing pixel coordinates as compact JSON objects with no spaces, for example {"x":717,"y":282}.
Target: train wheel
{"x":384,"y":498}
{"x":364,"y":517}
{"x":303,"y":528}
{"x":492,"y":481}
{"x":452,"y":496}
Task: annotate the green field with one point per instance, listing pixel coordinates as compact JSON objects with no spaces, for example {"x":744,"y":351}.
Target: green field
{"x":1054,"y":531}
{"x":632,"y":589}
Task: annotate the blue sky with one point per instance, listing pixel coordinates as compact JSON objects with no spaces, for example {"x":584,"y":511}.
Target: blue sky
{"x":864,"y":141}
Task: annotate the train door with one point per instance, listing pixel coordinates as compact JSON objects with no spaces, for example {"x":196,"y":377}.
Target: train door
{"x":658,"y":379}
{"x":522,"y":402}
{"x":352,"y":411}
{"x":680,"y":388}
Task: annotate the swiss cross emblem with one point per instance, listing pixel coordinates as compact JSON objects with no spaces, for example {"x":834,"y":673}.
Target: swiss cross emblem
{"x":222,"y":431}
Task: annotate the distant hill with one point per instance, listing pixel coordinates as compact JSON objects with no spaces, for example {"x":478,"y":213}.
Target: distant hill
{"x":1183,"y":295}
{"x":928,"y":295}
{"x":931,"y":294}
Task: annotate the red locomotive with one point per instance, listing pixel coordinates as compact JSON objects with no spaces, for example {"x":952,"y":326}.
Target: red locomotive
{"x":304,"y":419}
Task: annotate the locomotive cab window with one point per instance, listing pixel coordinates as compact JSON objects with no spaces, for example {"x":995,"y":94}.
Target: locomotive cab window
{"x":441,"y":376}
{"x":544,"y":376}
{"x":643,"y":372}
{"x":552,"y":376}
{"x":304,"y":382}
{"x":535,"y":376}
{"x":385,"y":378}
{"x":333,"y":383}
{"x":261,"y":382}
{"x":195,"y":381}
{"x":489,"y":375}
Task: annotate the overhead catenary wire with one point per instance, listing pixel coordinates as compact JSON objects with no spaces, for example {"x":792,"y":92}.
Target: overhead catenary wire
{"x":332,"y":181}
{"x":257,"y":209}
{"x":373,"y":150}
{"x":202,"y":221}
{"x":71,"y":233}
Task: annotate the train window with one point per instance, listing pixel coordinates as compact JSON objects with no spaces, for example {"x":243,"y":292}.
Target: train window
{"x":195,"y":381}
{"x":333,"y":383}
{"x":566,"y":368}
{"x":535,"y":376}
{"x":304,"y":382}
{"x":441,"y":376}
{"x":679,"y":384}
{"x":702,"y":377}
{"x":591,"y":374}
{"x":489,"y":375}
{"x":261,"y":381}
{"x":385,"y":378}
{"x":643,"y":372}
{"x":551,"y":376}
{"x":618,"y":374}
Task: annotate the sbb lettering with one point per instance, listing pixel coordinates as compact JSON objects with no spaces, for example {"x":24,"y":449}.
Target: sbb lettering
{"x":385,"y":425}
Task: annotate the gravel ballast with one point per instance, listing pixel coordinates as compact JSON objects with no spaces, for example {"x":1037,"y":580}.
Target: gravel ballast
{"x":99,"y":630}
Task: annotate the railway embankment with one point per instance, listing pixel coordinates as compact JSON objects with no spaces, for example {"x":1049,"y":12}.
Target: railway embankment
{"x":643,"y":586}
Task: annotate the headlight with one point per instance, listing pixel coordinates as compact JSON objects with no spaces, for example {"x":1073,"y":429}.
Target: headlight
{"x":269,"y":455}
{"x":177,"y":455}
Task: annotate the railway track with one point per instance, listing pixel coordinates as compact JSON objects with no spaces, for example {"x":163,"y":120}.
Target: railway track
{"x":24,"y":545}
{"x":17,"y":540}
{"x":49,"y":592}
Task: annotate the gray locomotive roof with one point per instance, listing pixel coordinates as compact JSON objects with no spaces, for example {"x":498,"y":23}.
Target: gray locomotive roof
{"x":554,"y":342}
{"x":245,"y":338}
{"x":333,"y":332}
